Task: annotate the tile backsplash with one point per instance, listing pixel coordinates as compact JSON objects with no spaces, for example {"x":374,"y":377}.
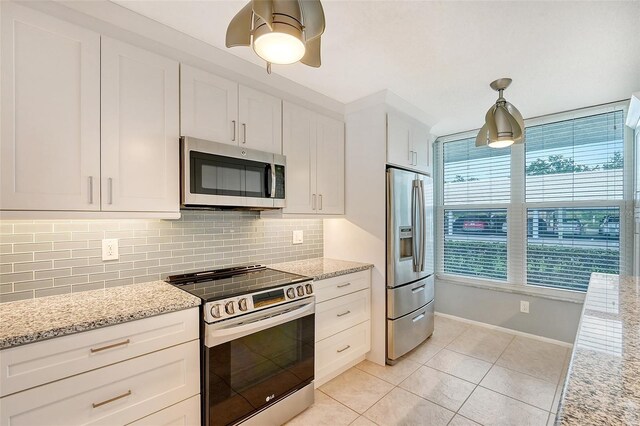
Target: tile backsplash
{"x":42,"y":258}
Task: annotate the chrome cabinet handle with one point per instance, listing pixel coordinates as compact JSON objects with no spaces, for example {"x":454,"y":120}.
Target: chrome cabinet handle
{"x":233,"y":122}
{"x":415,"y":161}
{"x":343,"y":285}
{"x":244,"y":132}
{"x":110,"y":184}
{"x":320,"y":202}
{"x":90,"y":189}
{"x":343,"y":349}
{"x":343,"y":314}
{"x":115,"y":345}
{"x":418,"y":318}
{"x":115,"y":398}
{"x":313,"y":201}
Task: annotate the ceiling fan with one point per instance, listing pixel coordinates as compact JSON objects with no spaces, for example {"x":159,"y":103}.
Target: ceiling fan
{"x":503,"y":125}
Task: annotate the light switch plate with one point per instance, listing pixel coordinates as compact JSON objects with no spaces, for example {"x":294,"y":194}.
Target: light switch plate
{"x":298,"y":237}
{"x":110,"y":249}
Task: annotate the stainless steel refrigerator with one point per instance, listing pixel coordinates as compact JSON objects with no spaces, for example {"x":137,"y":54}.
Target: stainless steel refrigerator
{"x":410,"y":281}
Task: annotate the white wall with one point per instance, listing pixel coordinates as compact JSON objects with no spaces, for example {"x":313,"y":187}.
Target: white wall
{"x":360,"y":236}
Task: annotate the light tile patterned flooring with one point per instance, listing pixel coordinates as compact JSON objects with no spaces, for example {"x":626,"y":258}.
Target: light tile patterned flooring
{"x":462,"y":375}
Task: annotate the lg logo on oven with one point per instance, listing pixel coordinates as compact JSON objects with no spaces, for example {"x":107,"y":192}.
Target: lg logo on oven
{"x":270,"y":397}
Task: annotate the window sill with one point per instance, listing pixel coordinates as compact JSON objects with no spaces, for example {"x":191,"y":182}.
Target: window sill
{"x":547,"y":293}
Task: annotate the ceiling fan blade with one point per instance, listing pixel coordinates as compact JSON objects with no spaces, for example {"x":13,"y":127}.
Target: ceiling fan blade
{"x":313,"y":18}
{"x":490,"y":123}
{"x":239,"y":29}
{"x":515,"y":113}
{"x":483,"y":137}
{"x":312,"y":54}
{"x":264,"y":9}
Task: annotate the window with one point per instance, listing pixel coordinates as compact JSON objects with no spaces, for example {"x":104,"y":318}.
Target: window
{"x":545,"y":214}
{"x":475,"y":237}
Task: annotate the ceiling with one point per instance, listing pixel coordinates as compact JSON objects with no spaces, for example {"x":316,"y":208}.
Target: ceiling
{"x":441,"y":56}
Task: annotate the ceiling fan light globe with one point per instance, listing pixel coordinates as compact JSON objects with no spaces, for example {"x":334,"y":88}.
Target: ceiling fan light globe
{"x":504,"y":143}
{"x":279,"y":48}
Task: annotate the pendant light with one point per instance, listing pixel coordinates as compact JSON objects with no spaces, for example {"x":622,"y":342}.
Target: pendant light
{"x":503,"y":125}
{"x":280,"y":31}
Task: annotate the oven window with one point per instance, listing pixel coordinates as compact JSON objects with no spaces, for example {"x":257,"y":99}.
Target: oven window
{"x":218,"y":175}
{"x":246,"y":374}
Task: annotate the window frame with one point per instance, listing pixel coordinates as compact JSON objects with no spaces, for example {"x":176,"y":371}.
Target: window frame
{"x":517,"y":210}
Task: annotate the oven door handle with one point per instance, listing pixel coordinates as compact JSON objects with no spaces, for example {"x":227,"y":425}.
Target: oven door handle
{"x":225,"y":331}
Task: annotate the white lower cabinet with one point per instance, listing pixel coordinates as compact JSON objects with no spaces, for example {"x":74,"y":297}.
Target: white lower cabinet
{"x":343,"y":323}
{"x":160,"y":371}
{"x":184,"y":413}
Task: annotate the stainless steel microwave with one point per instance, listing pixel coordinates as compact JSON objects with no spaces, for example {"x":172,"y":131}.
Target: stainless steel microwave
{"x":228,"y":176}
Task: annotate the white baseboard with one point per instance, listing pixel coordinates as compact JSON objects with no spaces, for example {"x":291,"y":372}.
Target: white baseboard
{"x":506,"y":330}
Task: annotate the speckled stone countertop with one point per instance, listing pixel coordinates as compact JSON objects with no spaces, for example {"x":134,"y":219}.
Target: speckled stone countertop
{"x":603,"y":383}
{"x":321,"y":268}
{"x":28,"y":321}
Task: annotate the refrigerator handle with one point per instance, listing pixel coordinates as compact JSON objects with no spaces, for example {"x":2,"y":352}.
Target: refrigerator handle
{"x":423,"y":220}
{"x":414,"y":220}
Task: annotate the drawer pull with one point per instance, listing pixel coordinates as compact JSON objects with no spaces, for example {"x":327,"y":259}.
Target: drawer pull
{"x":418,"y":318}
{"x":344,"y":313}
{"x":344,"y":285}
{"x":115,"y":345}
{"x":115,"y":398}
{"x":343,"y":349}
{"x":418,"y":289}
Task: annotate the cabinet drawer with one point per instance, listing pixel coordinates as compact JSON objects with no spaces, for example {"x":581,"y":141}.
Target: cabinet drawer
{"x":342,"y":348}
{"x":185,"y":413}
{"x":116,"y":394}
{"x":339,"y":286}
{"x":344,"y":312}
{"x":35,"y":364}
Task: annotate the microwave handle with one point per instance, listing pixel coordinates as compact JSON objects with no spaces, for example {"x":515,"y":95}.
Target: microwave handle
{"x":271,"y":180}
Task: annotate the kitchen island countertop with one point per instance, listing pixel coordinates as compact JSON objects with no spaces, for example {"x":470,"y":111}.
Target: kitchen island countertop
{"x":321,"y":268}
{"x":603,"y":382}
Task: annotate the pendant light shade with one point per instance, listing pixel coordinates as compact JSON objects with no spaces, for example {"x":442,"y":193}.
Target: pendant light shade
{"x":280,"y":31}
{"x":503,"y":125}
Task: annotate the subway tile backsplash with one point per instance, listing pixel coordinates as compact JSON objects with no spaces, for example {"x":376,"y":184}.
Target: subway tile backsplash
{"x":43,"y":258}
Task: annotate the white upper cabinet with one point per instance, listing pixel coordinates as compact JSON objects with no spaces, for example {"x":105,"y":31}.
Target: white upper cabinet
{"x":408,"y":143}
{"x":260,"y":118}
{"x":216,"y":109}
{"x":314,"y":147}
{"x":50,"y":138}
{"x":208,"y":106}
{"x":330,"y":165}
{"x":140,"y":129}
{"x":298,"y":145}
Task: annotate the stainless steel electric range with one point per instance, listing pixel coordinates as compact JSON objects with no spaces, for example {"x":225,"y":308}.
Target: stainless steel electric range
{"x":257,"y":340}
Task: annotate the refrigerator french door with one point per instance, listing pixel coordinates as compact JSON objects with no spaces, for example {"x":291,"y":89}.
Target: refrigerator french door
{"x":410,"y":261}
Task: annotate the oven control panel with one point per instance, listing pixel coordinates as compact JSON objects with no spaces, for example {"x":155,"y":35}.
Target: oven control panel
{"x":234,"y":306}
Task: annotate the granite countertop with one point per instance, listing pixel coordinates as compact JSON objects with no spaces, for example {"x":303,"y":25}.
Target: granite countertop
{"x":321,"y":268}
{"x":603,"y":383}
{"x":28,"y":321}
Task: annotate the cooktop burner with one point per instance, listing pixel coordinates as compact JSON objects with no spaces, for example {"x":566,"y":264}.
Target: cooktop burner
{"x":228,"y":282}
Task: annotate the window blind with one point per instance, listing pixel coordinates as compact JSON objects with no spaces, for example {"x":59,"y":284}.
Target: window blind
{"x":475,"y":175}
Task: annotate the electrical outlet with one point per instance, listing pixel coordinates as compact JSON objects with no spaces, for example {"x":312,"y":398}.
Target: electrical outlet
{"x":298,"y":237}
{"x":524,"y":307}
{"x":110,"y":249}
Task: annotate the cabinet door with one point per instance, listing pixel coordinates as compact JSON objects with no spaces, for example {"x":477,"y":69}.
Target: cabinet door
{"x":330,"y":164}
{"x":298,"y":145}
{"x":260,"y":118}
{"x":399,"y":151}
{"x":208,"y":106}
{"x":50,"y":138}
{"x":421,"y":145}
{"x":140,"y":135}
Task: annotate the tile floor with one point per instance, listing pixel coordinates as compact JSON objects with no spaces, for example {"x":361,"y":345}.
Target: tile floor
{"x":462,"y":375}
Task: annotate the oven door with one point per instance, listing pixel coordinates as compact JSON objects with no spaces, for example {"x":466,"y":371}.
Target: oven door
{"x":253,"y":361}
